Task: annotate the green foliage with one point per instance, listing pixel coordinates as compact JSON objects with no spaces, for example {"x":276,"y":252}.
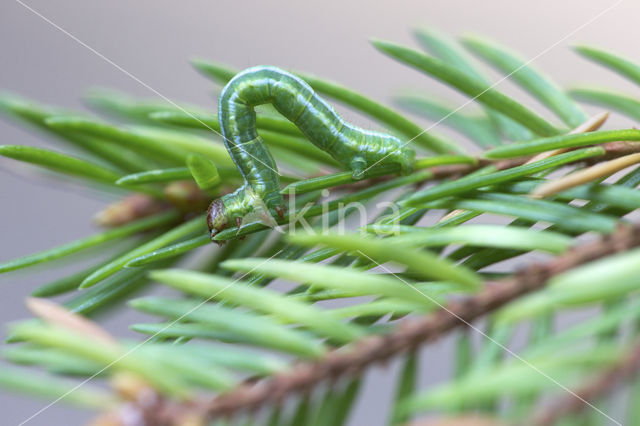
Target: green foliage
{"x":622,"y":66}
{"x":477,"y":128}
{"x":204,"y":172}
{"x":20,"y":381}
{"x":232,"y":325}
{"x":405,"y":388}
{"x":471,"y":182}
{"x":609,"y":100}
{"x":183,"y":230}
{"x":580,"y":286}
{"x":452,"y":53}
{"x":512,"y":237}
{"x":59,"y":162}
{"x":529,"y":79}
{"x":220,"y":326}
{"x":565,"y":141}
{"x":124,"y":231}
{"x":476,"y":89}
{"x":155,"y":176}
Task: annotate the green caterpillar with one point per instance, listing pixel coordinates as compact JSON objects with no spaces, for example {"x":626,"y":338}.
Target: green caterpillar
{"x":355,"y":148}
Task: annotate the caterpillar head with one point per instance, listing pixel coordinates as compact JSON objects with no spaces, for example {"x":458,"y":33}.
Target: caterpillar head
{"x":216,"y":217}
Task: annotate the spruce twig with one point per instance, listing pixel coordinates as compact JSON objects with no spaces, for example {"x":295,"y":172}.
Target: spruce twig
{"x":407,"y":336}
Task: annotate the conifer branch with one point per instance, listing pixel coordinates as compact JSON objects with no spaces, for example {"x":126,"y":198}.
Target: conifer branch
{"x":408,"y":335}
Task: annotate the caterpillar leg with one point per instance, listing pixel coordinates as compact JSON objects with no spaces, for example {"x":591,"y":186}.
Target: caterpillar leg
{"x":358,"y":165}
{"x":273,"y":204}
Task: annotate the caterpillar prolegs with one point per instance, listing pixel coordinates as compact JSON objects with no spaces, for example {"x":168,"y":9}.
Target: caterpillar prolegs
{"x":355,"y":148}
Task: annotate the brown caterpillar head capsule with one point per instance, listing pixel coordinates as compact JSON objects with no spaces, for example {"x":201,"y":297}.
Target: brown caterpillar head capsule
{"x":216,"y":217}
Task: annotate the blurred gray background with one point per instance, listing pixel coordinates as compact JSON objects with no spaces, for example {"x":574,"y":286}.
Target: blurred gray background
{"x":153,"y":40}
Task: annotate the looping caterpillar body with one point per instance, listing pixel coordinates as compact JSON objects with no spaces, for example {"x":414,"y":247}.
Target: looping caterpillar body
{"x":355,"y":148}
